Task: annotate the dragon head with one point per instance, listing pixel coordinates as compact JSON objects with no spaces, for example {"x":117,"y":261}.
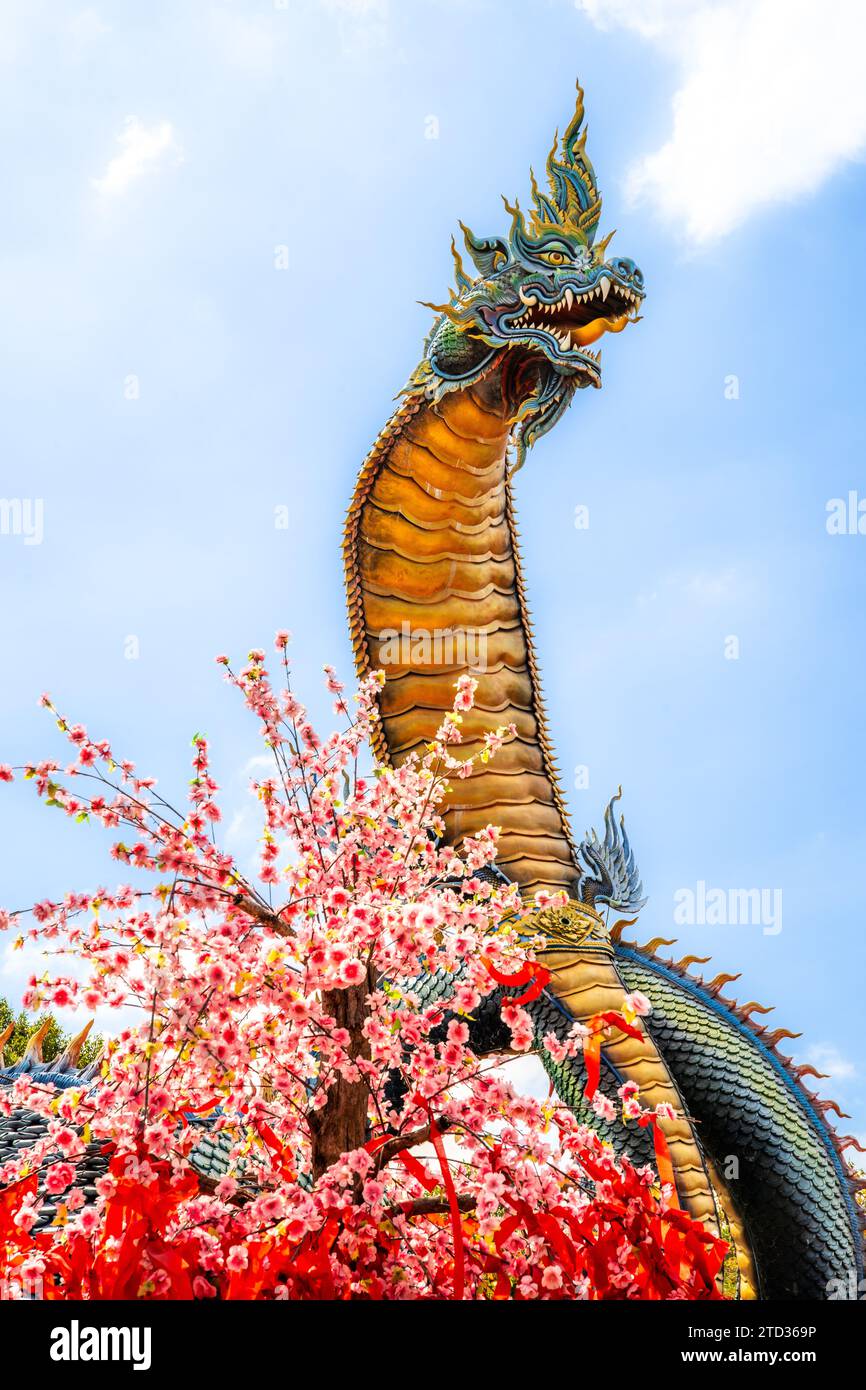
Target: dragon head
{"x":541,"y":298}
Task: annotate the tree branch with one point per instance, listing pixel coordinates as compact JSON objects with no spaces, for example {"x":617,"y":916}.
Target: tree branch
{"x":399,"y":1142}
{"x":433,"y":1206}
{"x":262,"y":914}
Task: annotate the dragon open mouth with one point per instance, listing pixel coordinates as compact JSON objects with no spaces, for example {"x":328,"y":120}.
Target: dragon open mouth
{"x":577,"y":319}
{"x":580,"y":317}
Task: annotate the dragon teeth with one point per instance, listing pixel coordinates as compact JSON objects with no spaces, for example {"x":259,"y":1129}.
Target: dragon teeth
{"x":604,"y":286}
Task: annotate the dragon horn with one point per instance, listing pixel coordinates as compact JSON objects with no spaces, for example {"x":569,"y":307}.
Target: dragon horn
{"x":650,"y":947}
{"x":753,"y":1007}
{"x":808,"y":1070}
{"x":73,"y":1050}
{"x":618,"y":928}
{"x":825,"y":1105}
{"x":33,"y":1050}
{"x":603,"y":245}
{"x":773,"y":1038}
{"x":691,"y":960}
{"x":720,"y":981}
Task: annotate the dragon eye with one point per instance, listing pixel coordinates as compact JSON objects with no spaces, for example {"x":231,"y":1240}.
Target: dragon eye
{"x":554,"y":257}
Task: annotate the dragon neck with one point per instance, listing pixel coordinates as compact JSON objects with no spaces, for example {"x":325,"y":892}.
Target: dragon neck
{"x":435,"y":592}
{"x":431,"y":557}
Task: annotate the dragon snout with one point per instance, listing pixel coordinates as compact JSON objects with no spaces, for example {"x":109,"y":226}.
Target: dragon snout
{"x":626,"y":269}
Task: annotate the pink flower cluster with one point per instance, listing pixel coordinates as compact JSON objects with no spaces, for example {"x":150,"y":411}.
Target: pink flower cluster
{"x":237,"y":984}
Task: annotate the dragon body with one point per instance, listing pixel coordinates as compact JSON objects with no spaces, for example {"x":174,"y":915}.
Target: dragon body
{"x":436,"y":591}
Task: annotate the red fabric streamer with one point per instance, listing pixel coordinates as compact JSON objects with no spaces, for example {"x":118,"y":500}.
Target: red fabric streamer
{"x":278,"y":1149}
{"x":592,"y":1045}
{"x":456,"y":1221}
{"x":664,"y":1164}
{"x":530,"y":973}
{"x":592,"y":1059}
{"x":417,"y":1170}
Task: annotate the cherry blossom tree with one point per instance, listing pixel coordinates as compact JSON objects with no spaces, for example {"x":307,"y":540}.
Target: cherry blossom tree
{"x":368,"y":1151}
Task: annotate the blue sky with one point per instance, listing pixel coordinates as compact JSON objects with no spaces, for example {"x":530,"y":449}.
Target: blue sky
{"x":165,"y":388}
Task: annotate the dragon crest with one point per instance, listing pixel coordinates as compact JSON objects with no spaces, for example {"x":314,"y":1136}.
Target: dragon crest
{"x":610,"y":874}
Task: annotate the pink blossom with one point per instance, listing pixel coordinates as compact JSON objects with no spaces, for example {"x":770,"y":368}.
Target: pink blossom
{"x":638,"y":1004}
{"x":237,"y":1259}
{"x":352,"y":972}
{"x":603,"y":1107}
{"x":58,"y":1177}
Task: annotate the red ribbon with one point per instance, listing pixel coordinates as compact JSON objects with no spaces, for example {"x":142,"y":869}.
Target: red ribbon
{"x":184,"y":1109}
{"x":456,"y":1221}
{"x":417,"y":1171}
{"x":663,"y":1156}
{"x":530,"y":973}
{"x":592,"y":1059}
{"x":278,"y":1149}
{"x":592,"y":1045}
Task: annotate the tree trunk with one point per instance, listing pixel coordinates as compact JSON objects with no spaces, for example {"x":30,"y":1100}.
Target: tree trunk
{"x":341,"y":1124}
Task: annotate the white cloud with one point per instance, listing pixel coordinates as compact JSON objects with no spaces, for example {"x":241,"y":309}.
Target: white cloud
{"x":826,"y":1057}
{"x":650,"y":18}
{"x":142,"y":150}
{"x":770,"y":103}
{"x":19,"y":963}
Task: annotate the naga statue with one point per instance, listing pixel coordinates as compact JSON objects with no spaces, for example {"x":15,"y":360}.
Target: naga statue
{"x":434,"y":576}
{"x":436,"y":591}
